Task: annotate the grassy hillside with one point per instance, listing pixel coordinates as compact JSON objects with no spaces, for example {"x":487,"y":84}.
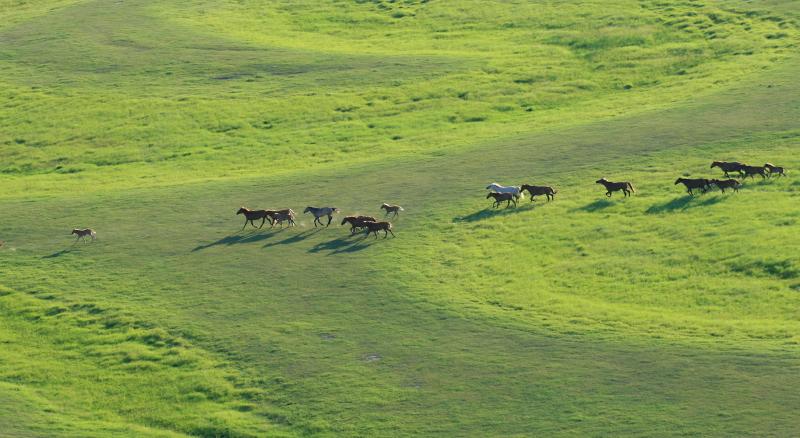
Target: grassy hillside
{"x":655,"y":315}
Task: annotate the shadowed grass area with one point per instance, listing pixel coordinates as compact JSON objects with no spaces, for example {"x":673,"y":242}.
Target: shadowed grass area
{"x":655,"y":315}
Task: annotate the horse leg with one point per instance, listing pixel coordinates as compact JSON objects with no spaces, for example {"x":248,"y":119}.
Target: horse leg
{"x":245,"y":225}
{"x":330,"y":218}
{"x":263,"y":220}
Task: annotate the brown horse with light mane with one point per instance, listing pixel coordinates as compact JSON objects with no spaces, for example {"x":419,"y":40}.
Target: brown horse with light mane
{"x":774,"y":170}
{"x":82,"y":233}
{"x":391,"y":209}
{"x":281,"y":216}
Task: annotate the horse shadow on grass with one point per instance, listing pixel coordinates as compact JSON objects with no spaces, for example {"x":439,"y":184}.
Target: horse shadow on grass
{"x":598,"y":205}
{"x":58,"y":253}
{"x":684,"y":203}
{"x":488,"y":213}
{"x":239,"y":238}
{"x":348,"y":244}
{"x":294,"y":238}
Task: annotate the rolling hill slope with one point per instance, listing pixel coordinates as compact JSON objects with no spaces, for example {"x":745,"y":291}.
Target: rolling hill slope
{"x":657,"y":315}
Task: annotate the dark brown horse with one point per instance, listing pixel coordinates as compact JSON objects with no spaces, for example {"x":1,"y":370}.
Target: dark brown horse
{"x":357,"y":222}
{"x":500,"y":197}
{"x":82,"y":233}
{"x":775,"y":170}
{"x":694,"y":183}
{"x":726,"y":184}
{"x":254,"y":215}
{"x":754,"y":170}
{"x":625,"y":186}
{"x":374,"y":227}
{"x":538,"y":191}
{"x":729,"y":166}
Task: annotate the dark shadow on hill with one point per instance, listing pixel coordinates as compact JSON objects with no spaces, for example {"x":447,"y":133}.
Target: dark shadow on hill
{"x":58,"y":253}
{"x":239,"y":238}
{"x":488,"y":213}
{"x":685,"y":203}
{"x":598,"y":205}
{"x":295,"y":238}
{"x":348,"y":244}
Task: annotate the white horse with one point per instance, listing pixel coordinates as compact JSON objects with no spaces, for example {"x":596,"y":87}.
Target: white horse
{"x":319,"y":212}
{"x":506,"y":189}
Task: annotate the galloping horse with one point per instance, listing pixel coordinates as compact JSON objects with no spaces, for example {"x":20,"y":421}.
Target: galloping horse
{"x":729,"y":166}
{"x":500,"y":197}
{"x":273,"y":214}
{"x":691,"y":184}
{"x":357,"y":222}
{"x":83,"y":233}
{"x":726,"y":184}
{"x":391,"y":209}
{"x":775,"y":170}
{"x":754,"y":170}
{"x":321,"y":211}
{"x":516,"y":191}
{"x":283,"y":215}
{"x":374,"y":227}
{"x":254,"y":215}
{"x":616,"y":186}
{"x":539,"y":190}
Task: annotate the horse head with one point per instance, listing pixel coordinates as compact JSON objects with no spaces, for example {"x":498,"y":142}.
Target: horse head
{"x":601,"y":181}
{"x":242,"y":211}
{"x":678,"y":181}
{"x":307,"y":210}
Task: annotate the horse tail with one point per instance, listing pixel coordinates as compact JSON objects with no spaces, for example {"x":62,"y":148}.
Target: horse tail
{"x":631,"y":187}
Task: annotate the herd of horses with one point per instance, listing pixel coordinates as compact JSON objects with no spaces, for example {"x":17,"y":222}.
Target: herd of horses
{"x":357,"y":223}
{"x":499,"y":194}
{"x":511,"y":194}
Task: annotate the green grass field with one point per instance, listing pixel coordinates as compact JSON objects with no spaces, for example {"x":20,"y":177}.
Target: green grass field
{"x":153,"y":122}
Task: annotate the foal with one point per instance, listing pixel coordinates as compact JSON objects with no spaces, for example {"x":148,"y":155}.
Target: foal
{"x":696,"y":183}
{"x":626,"y":187}
{"x":374,"y":227}
{"x":321,"y":211}
{"x":391,"y":209}
{"x":728,"y":166}
{"x":357,"y":222}
{"x":83,"y":233}
{"x":284,"y":215}
{"x":500,"y":197}
{"x":774,"y":170}
{"x":254,"y":215}
{"x":726,"y":184}
{"x":273,"y":214}
{"x":538,"y":190}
